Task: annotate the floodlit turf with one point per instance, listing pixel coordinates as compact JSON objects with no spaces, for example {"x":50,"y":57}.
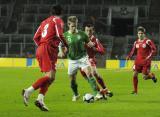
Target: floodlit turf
{"x":58,"y":99}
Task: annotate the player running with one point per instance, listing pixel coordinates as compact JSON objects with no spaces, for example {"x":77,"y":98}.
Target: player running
{"x":145,"y":49}
{"x":92,"y":51}
{"x":47,"y":38}
{"x":77,"y":56}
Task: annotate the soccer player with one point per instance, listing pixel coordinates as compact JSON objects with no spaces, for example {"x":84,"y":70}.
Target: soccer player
{"x":92,"y":51}
{"x":47,"y":38}
{"x":77,"y":56}
{"x":145,"y":49}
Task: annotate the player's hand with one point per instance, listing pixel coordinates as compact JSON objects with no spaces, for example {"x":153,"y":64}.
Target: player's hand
{"x":90,"y":44}
{"x":127,"y":58}
{"x":65,"y":50}
{"x":61,"y":54}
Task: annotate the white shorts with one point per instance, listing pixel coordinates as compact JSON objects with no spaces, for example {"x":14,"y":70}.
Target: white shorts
{"x":74,"y":65}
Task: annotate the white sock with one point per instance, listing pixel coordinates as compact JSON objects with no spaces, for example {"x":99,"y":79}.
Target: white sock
{"x":40,"y":97}
{"x":30,"y":90}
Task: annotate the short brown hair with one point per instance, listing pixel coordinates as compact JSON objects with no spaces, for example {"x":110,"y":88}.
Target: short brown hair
{"x":141,"y":28}
{"x":72,"y":19}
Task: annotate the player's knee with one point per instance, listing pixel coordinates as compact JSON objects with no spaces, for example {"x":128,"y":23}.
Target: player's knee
{"x":95,"y":74}
{"x":89,"y":74}
{"x":83,"y":73}
{"x":135,"y":74}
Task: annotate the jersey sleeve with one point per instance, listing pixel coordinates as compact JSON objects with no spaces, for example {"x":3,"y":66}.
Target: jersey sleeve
{"x":59,"y":30}
{"x":153,"y":48}
{"x":37,"y":36}
{"x":99,"y":47}
{"x":132,"y":50}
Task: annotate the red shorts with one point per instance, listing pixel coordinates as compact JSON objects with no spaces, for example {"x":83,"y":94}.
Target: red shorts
{"x":145,"y":69}
{"x":47,"y":58}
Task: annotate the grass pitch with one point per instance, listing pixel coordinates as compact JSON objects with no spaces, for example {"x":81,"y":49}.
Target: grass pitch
{"x":58,"y":98}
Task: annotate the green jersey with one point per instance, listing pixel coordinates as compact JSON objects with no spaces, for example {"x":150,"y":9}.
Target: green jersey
{"x":76,"y":43}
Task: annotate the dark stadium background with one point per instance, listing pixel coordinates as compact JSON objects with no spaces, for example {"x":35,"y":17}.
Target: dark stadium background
{"x":115,"y":23}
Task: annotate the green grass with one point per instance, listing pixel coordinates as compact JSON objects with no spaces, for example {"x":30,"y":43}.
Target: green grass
{"x":58,"y":98}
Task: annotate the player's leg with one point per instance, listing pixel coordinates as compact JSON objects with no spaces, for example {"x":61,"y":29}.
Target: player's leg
{"x":98,"y":77}
{"x":72,"y":72}
{"x":153,"y":77}
{"x":43,"y":90}
{"x":135,"y":82}
{"x":92,"y":82}
{"x":147,"y":74}
{"x":105,"y":91}
{"x":85,"y":76}
{"x":42,"y":83}
{"x":43,"y":86}
{"x":150,"y":75}
{"x":136,"y":70}
{"x":74,"y":87}
{"x":84,"y":64}
{"x":36,"y":85}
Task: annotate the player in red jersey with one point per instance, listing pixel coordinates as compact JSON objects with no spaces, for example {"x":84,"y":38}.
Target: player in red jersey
{"x":145,"y":49}
{"x":98,"y":48}
{"x":47,"y":38}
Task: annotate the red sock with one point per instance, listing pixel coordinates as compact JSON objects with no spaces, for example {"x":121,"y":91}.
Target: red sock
{"x":135,"y":83}
{"x":41,"y":82}
{"x":100,"y":81}
{"x":44,"y":88}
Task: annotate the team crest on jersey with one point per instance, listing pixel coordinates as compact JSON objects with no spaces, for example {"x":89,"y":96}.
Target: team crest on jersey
{"x":69,"y":39}
{"x":137,"y":45}
{"x":144,"y":45}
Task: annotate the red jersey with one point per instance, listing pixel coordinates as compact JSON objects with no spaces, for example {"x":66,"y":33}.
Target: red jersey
{"x":98,"y":48}
{"x":145,"y":50}
{"x":50,"y":32}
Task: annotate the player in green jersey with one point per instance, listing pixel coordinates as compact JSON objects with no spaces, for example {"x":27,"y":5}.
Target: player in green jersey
{"x":77,"y":56}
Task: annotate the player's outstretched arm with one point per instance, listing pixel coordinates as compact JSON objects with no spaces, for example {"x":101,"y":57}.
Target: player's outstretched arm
{"x":62,"y":50}
{"x":99,"y":47}
{"x":153,"y":49}
{"x":132,"y":51}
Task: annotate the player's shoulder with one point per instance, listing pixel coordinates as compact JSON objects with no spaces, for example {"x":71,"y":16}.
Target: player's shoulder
{"x":55,"y":18}
{"x":66,"y":33}
{"x":82,"y":33}
{"x":147,"y":40}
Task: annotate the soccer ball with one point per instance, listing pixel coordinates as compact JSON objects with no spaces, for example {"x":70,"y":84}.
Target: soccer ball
{"x":89,"y":98}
